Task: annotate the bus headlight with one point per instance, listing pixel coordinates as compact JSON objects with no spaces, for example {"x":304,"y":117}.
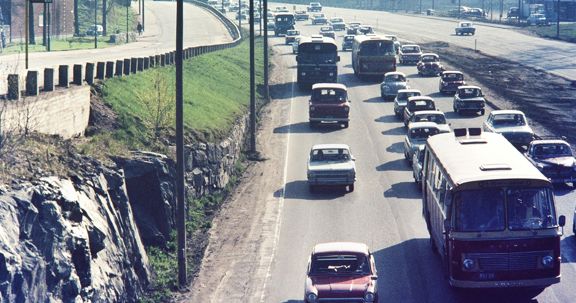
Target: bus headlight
{"x":547,"y":261}
{"x":331,"y":74}
{"x":468,"y":264}
{"x":369,"y":297}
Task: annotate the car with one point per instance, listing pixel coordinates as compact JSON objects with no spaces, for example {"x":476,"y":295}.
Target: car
{"x":95,"y":30}
{"x":318,"y":19}
{"x":331,"y":165}
{"x":365,"y":30}
{"x":435,"y":116}
{"x":415,"y":104}
{"x":537,"y":19}
{"x":271,"y":26}
{"x":341,"y":272}
{"x":429,"y":65}
{"x":337,"y":23}
{"x":469,"y":98}
{"x":295,"y":44}
{"x":282,"y":9}
{"x":393,"y":82}
{"x":327,"y":31}
{"x":233,"y":7}
{"x":417,"y":164}
{"x":409,"y":54}
{"x":554,"y":158}
{"x":475,"y":12}
{"x":416,"y":136}
{"x":301,"y":16}
{"x":347,"y":42}
{"x":329,"y":103}
{"x":402,"y":99}
{"x":243,"y":15}
{"x":314,"y":7}
{"x":291,"y":35}
{"x":511,"y":124}
{"x":397,"y":44}
{"x":465,"y":28}
{"x":450,"y":81}
{"x":352,"y":28}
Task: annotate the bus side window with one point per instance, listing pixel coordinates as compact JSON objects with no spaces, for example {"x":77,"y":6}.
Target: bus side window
{"x":442,"y":191}
{"x":447,"y":201}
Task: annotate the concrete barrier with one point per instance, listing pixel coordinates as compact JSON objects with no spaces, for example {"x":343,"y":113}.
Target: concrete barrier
{"x":13,"y":87}
{"x":48,"y":80}
{"x":89,"y":74}
{"x":63,"y":76}
{"x":140,"y":64}
{"x":77,"y":74}
{"x":109,"y":69}
{"x":32,"y":83}
{"x":100,"y":70}
{"x":133,"y":65}
{"x":127,"y":66}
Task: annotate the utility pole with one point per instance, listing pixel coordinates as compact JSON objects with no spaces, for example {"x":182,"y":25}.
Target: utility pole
{"x":557,"y":19}
{"x":128,"y":3}
{"x":240,"y":14}
{"x":459,"y":8}
{"x":265,"y":43}
{"x":104,"y":17}
{"x":44,"y":10}
{"x":76,"y":21}
{"x":95,"y":23}
{"x":252,"y":84}
{"x":181,"y":203}
{"x":143,"y":16}
{"x":27,"y":33}
{"x":49,"y":29}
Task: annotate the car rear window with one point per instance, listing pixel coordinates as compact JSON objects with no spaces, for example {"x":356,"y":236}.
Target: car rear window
{"x":333,"y":154}
{"x":340,"y":264}
{"x":329,"y":95}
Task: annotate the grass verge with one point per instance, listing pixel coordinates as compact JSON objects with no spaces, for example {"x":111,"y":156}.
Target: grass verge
{"x":567,"y":31}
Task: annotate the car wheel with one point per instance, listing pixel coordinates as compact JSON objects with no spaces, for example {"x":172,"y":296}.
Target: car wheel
{"x":351,"y":187}
{"x":482,"y":112}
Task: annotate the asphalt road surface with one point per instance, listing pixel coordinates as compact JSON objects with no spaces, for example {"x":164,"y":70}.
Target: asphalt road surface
{"x":384,"y":211}
{"x":200,"y":28}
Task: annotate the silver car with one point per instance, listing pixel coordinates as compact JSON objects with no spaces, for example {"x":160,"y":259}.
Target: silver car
{"x":331,"y":165}
{"x":402,"y":99}
{"x":393,"y":82}
{"x":417,"y":163}
{"x":418,"y":133}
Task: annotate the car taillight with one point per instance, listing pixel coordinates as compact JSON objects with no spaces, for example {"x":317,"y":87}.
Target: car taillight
{"x":312,"y":108}
{"x":346,"y":108}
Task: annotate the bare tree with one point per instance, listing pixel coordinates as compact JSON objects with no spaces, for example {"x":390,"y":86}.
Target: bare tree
{"x":159,"y":101}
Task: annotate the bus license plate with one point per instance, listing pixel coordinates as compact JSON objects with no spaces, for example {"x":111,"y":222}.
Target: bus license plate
{"x":486,"y":276}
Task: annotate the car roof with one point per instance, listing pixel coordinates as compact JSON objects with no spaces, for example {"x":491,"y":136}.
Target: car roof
{"x":410,"y":45}
{"x":506,"y":111}
{"x":451,"y":72}
{"x":341,"y":247}
{"x":331,"y":146}
{"x":469,"y":87}
{"x":549,"y":141}
{"x":423,"y":124}
{"x":428,"y":112}
{"x":420,"y":98}
{"x":329,"y":85}
{"x":409,"y":90}
{"x":394,"y":73}
{"x":430,"y":54}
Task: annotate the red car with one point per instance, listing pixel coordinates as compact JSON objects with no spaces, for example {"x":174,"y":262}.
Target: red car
{"x":341,"y":271}
{"x":450,"y":80}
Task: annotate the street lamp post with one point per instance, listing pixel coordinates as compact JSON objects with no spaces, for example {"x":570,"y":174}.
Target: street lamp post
{"x":252,"y":82}
{"x":265,"y":43}
{"x":95,"y":23}
{"x":557,"y":19}
{"x":127,"y":21}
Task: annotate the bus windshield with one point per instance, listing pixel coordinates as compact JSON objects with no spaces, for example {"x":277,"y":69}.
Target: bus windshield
{"x":495,"y":209}
{"x":317,"y":53}
{"x":377,"y":48}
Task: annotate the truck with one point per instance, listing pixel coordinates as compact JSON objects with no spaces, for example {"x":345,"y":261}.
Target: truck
{"x":282,"y":23}
{"x":317,"y":61}
{"x":329,"y":103}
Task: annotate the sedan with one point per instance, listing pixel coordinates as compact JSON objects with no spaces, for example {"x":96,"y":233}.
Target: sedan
{"x":511,"y":124}
{"x":327,"y":31}
{"x":418,"y":133}
{"x":393,"y":82}
{"x":402,"y":99}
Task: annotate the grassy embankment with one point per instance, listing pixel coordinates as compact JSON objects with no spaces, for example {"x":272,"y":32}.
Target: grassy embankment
{"x":216,"y":94}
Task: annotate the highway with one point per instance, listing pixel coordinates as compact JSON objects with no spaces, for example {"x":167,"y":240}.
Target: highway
{"x":384,"y":211}
{"x":201,"y":28}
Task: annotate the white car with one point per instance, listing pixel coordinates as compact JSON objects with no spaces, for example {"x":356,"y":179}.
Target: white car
{"x":435,"y":116}
{"x":418,"y":133}
{"x":511,"y":124}
{"x":401,"y":100}
{"x":331,"y":165}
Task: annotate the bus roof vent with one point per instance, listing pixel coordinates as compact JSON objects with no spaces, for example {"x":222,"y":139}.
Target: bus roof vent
{"x":469,"y":136}
{"x":460,"y":132}
{"x":495,"y":166}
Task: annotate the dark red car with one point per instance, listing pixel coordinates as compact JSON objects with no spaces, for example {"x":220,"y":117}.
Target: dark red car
{"x":341,"y":271}
{"x":449,"y":81}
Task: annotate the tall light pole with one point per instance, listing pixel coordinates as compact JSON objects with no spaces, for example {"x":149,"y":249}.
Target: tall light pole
{"x":143,"y":16}
{"x":128,"y":3}
{"x":557,"y":19}
{"x":95,"y":23}
{"x":252,"y":83}
{"x":265,"y":43}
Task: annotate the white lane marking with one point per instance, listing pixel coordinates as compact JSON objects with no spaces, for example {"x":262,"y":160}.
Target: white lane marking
{"x":280,"y":199}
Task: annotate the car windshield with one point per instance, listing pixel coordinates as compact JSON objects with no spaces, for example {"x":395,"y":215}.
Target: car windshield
{"x":410,"y":49}
{"x":340,"y":264}
{"x":349,"y":38}
{"x":452,"y":77}
{"x":423,"y":132}
{"x":354,"y":25}
{"x":317,"y":53}
{"x":469,"y":93}
{"x":330,"y":155}
{"x":326,"y":29}
{"x":329,"y":95}
{"x":429,"y":59}
{"x":465,"y":24}
{"x":508,"y":120}
{"x":281,"y":19}
{"x":552,"y":150}
{"x":436,"y":118}
{"x":377,"y":48}
{"x":292,"y":32}
{"x":337,"y":20}
{"x":421,"y":105}
{"x":395,"y":78}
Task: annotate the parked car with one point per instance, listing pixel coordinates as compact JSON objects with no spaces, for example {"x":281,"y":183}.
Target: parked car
{"x":429,"y":65}
{"x":291,"y":35}
{"x":352,"y":28}
{"x":331,"y":165}
{"x":314,"y":7}
{"x":319,"y":19}
{"x":417,"y":164}
{"x":537,"y":19}
{"x":402,"y":99}
{"x":435,"y":116}
{"x":327,"y":31}
{"x":329,"y":103}
{"x":337,"y":24}
{"x":95,"y":30}
{"x":347,"y":42}
{"x":465,"y":28}
{"x":416,"y":136}
{"x":450,"y":81}
{"x":409,"y":54}
{"x":341,"y":272}
{"x":393,"y":82}
{"x":554,"y":158}
{"x":295,"y":44}
{"x":416,"y":104}
{"x":511,"y":124}
{"x":469,"y":98}
{"x":301,"y":16}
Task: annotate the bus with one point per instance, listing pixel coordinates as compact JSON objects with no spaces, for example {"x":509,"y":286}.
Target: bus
{"x":317,"y":61}
{"x":489,"y":212}
{"x":373,"y":55}
{"x":283,"y":22}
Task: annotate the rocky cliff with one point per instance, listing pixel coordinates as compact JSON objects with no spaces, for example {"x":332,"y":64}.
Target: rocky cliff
{"x":70,"y":240}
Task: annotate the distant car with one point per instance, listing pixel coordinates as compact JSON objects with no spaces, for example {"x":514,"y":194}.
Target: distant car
{"x":402,"y":99}
{"x":327,"y":31}
{"x":329,"y":103}
{"x":233,"y":7}
{"x":95,"y":30}
{"x":291,"y":35}
{"x":409,"y":54}
{"x":416,"y":136}
{"x":465,"y":28}
{"x":393,"y":82}
{"x":416,"y":104}
{"x":537,"y":19}
{"x":469,"y":98}
{"x":331,"y":165}
{"x":282,"y":9}
{"x":242,"y":15}
{"x":429,"y":65}
{"x":397,"y":44}
{"x":301,"y":16}
{"x":314,"y":7}
{"x":365,"y":30}
{"x":319,"y":19}
{"x":271,"y":26}
{"x":337,"y":23}
{"x":511,"y":124}
{"x":352,"y":28}
{"x":295,"y":44}
{"x":450,"y":81}
{"x":341,"y":272}
{"x":435,"y":116}
{"x":417,"y":164}
{"x":554,"y":158}
{"x":347,"y":42}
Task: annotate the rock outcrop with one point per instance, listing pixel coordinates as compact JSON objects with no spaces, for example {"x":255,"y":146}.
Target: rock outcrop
{"x":70,"y":240}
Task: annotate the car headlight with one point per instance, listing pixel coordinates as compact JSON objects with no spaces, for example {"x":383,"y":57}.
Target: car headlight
{"x":311,"y":297}
{"x":468,"y":264}
{"x":346,"y":108}
{"x":303,"y":74}
{"x":312,"y":108}
{"x":331,"y":74}
{"x":369,"y":297}
{"x":547,"y":261}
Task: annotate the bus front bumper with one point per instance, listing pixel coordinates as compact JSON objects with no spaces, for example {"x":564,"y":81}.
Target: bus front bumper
{"x":543,"y":282}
